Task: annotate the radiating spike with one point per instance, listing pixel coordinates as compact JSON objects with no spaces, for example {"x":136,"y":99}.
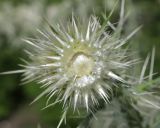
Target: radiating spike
{"x":13,"y":72}
{"x":103,"y":39}
{"x":29,"y":53}
{"x":93,"y":114}
{"x":94,"y":32}
{"x":51,"y":45}
{"x":69,"y":37}
{"x":82,"y":39}
{"x":94,"y":100}
{"x":62,"y":118}
{"x":57,"y":64}
{"x":52,"y":94}
{"x":66,"y":33}
{"x":144,"y":69}
{"x":119,"y":64}
{"x":31,"y":43}
{"x":41,"y":95}
{"x":96,"y":42}
{"x":28,"y":66}
{"x":66,"y":95}
{"x":50,"y":78}
{"x":103,"y":94}
{"x":28,"y":75}
{"x":52,"y":104}
{"x":124,"y":64}
{"x":151,"y":103}
{"x":28,"y":80}
{"x":76,"y":99}
{"x":124,"y":41}
{"x":60,"y":82}
{"x":86,"y":100}
{"x":60,"y":41}
{"x":94,"y":25}
{"x":121,"y":21}
{"x":152,"y":64}
{"x":116,"y":77}
{"x":111,"y":44}
{"x":111,"y":25}
{"x":144,"y":93}
{"x":122,"y":9}
{"x":69,"y":90}
{"x":50,"y":88}
{"x":105,"y":85}
{"x":43,"y":34}
{"x":46,"y":84}
{"x":88,"y":31}
{"x":53,"y":57}
{"x":24,"y":61}
{"x":75,"y":27}
{"x":57,"y":49}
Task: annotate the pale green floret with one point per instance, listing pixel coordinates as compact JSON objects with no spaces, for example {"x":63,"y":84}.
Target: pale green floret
{"x":81,"y":64}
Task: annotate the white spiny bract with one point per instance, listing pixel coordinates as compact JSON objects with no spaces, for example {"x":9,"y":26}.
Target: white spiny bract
{"x":78,"y":62}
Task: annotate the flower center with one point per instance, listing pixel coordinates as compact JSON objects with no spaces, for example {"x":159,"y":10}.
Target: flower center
{"x":81,"y":64}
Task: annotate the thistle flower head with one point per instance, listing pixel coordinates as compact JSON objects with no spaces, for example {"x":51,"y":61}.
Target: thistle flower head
{"x":77,"y":62}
